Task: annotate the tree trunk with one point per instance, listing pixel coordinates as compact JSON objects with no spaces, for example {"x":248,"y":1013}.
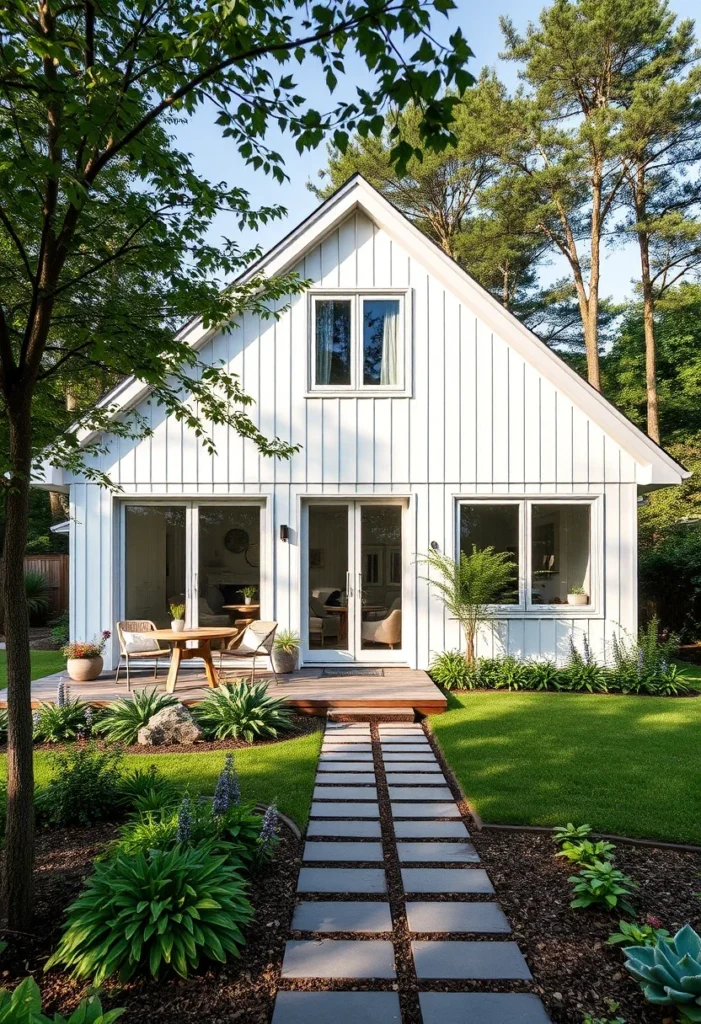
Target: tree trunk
{"x":58,"y":508}
{"x":19,"y":837}
{"x":469,"y":646}
{"x":653,"y":415}
{"x":591,"y":342}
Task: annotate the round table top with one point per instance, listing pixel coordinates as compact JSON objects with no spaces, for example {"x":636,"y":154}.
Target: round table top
{"x":240,"y":607}
{"x":200,"y":633}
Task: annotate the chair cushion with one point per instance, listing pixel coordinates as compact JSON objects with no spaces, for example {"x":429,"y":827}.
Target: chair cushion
{"x":317,"y":608}
{"x":215,"y":598}
{"x":138,"y":643}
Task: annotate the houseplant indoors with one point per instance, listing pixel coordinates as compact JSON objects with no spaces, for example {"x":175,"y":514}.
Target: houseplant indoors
{"x":178,"y":621}
{"x":285,"y":651}
{"x":249,"y":594}
{"x":83,"y":659}
{"x":577,"y":595}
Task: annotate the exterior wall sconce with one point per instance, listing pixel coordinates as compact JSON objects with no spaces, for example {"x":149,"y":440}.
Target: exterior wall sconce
{"x":434,"y":545}
{"x":284,"y":533}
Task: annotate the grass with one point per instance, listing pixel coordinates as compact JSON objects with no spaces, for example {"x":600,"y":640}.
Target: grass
{"x":627,"y":765}
{"x":43,"y":663}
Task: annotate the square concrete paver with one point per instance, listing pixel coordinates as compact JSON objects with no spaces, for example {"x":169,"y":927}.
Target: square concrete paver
{"x":425,"y":810}
{"x":439,"y":916}
{"x":420,"y":793}
{"x":467,"y":960}
{"x":344,"y":758}
{"x":428,"y":767}
{"x":348,"y":738}
{"x":446,"y":853}
{"x":345,"y":810}
{"x":415,"y":779}
{"x":406,"y":748}
{"x":479,"y":1008}
{"x":345,"y":778}
{"x":339,"y":916}
{"x":345,"y":793}
{"x":414,"y":756}
{"x":337,"y":1008}
{"x":437,"y":880}
{"x":367,"y":769}
{"x":430,"y":830}
{"x":338,"y":958}
{"x":341,"y":748}
{"x":345,"y":829}
{"x":341,"y":880}
{"x":343,"y":851}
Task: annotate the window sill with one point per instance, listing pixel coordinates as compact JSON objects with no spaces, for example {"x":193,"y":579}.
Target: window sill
{"x":369,"y":392}
{"x":564,"y":611}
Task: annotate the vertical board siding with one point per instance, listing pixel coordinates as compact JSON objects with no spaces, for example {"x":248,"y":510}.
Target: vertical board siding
{"x":480,"y":421}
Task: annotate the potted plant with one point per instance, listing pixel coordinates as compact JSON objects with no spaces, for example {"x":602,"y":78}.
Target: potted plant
{"x":577,"y":595}
{"x":248,"y":594}
{"x":83,"y":659}
{"x":285,"y":651}
{"x":178,"y":621}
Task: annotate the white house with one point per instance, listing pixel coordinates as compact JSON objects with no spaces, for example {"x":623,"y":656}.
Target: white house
{"x":427,"y":416}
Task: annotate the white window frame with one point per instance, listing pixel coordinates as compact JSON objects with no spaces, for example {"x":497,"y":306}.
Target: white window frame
{"x":357,"y":297}
{"x":525,"y":605}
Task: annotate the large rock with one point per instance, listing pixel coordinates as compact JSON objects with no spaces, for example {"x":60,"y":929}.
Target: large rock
{"x":173,"y":724}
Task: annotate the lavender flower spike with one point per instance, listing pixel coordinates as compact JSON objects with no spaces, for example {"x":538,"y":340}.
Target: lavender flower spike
{"x":232,"y":781}
{"x":220,"y":801}
{"x":61,"y":693}
{"x":267,"y":830}
{"x":184,"y":821}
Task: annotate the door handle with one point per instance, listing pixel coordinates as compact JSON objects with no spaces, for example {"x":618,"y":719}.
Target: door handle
{"x":349,"y":588}
{"x":360,"y":586}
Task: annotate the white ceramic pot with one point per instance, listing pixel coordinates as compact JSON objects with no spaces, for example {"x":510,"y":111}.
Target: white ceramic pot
{"x":82,"y":670}
{"x":177,"y":625}
{"x":578,"y":598}
{"x":248,"y":600}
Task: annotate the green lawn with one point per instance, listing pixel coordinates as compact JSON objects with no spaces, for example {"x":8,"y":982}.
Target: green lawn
{"x":629,"y":765}
{"x":43,"y":664}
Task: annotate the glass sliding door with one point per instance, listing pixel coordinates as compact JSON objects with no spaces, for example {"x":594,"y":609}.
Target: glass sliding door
{"x":155,"y":564}
{"x":353,"y":565}
{"x":227,"y":538}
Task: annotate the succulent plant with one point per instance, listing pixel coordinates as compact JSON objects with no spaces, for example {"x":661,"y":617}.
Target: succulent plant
{"x":670,"y":972}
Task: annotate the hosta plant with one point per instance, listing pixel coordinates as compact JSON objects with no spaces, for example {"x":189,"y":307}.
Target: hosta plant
{"x":602,"y":884}
{"x":631,"y":933}
{"x":570,"y":833}
{"x":123,"y":719}
{"x":586,"y":852}
{"x":23,"y":1006}
{"x":670,"y":972}
{"x":155,"y":912}
{"x":450,"y":670}
{"x":239,"y":711}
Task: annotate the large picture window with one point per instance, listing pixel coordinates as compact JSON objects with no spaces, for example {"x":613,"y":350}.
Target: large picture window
{"x":551,"y":543}
{"x":358,"y":342}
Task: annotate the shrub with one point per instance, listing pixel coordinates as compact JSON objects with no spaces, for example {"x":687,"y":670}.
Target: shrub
{"x":123,"y":719}
{"x":23,"y":1006}
{"x":36,"y":591}
{"x":60,"y":629}
{"x":586,"y":852}
{"x":542,"y":675}
{"x":146,"y":789}
{"x":602,"y":884}
{"x":570,"y":833}
{"x":634,"y":934}
{"x":237,"y":710}
{"x":154,"y":912}
{"x":670,"y":579}
{"x":84,"y":786}
{"x":669,"y":972}
{"x":450,"y":670}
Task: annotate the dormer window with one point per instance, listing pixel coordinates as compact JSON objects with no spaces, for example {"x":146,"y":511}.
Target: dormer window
{"x":358,"y":342}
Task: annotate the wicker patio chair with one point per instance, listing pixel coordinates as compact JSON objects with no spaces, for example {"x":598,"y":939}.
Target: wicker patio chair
{"x":255,"y":642}
{"x":132,"y":649}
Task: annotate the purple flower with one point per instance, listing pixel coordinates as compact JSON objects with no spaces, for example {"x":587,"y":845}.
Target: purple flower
{"x":184,"y":822}
{"x":232,"y":780}
{"x":61,"y":694}
{"x":587,"y":649}
{"x":641,"y":661}
{"x":267,"y":830}
{"x":220,"y":801}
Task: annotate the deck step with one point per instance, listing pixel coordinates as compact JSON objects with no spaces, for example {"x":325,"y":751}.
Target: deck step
{"x":363,"y":714}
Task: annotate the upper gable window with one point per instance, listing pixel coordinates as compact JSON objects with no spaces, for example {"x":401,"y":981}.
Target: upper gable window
{"x":358,"y":342}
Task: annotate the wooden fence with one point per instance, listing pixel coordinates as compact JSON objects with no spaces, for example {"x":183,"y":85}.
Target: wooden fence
{"x":55,"y":568}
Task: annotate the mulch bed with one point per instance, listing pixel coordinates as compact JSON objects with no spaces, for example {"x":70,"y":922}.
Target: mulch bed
{"x":566,"y":949}
{"x":241,"y":990}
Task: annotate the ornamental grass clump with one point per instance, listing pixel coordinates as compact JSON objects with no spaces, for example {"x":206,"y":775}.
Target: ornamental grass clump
{"x":154,"y":913}
{"x":669,"y":972}
{"x":146,"y":789}
{"x":239,"y":711}
{"x":122,"y":720}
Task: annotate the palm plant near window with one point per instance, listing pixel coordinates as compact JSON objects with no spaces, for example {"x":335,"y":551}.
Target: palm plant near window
{"x":469,"y":586}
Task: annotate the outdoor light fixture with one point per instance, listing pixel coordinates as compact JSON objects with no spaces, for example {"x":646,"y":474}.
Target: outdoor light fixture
{"x":284,"y":533}
{"x":434,"y":545}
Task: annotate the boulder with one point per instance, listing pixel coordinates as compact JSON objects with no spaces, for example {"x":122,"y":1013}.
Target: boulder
{"x":173,"y":724}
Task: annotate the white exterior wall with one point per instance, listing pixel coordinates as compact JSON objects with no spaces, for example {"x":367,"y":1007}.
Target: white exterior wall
{"x":480,"y":422}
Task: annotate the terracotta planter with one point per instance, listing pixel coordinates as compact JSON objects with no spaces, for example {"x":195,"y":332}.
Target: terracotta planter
{"x":284,"y":662}
{"x":177,"y":625}
{"x":578,"y":598}
{"x":82,"y":670}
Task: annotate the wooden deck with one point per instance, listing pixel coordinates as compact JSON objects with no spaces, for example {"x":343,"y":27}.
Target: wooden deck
{"x":309,"y":689}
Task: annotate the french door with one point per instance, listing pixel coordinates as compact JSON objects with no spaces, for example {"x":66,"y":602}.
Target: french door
{"x":200,"y":554}
{"x":353,"y":581}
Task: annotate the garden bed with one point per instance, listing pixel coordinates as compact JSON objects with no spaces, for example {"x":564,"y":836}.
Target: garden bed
{"x":574,"y":969}
{"x":239,"y":990}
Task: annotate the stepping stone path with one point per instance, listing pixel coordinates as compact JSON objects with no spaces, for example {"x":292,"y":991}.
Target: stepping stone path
{"x":389,"y":868}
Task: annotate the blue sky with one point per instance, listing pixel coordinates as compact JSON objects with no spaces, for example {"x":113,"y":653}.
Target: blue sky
{"x":217,"y":158}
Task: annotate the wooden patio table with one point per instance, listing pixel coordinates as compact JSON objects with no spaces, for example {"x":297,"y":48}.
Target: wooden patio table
{"x":234,"y":610}
{"x":203,"y":637}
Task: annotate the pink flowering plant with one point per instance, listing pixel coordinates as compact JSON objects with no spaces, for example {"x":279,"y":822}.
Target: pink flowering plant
{"x":86,"y":649}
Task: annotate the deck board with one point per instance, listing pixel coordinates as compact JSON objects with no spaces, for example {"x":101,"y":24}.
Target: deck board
{"x":308,"y":689}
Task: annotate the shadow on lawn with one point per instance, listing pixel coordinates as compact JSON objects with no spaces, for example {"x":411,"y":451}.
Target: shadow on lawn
{"x":629,"y":765}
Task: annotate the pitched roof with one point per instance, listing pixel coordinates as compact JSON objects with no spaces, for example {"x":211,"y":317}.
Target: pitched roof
{"x":658,"y":466}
